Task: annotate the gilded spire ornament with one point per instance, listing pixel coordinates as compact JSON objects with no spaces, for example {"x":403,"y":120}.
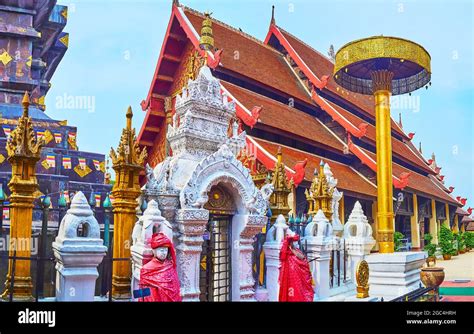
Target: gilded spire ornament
{"x":23,"y":140}
{"x":128,"y":151}
{"x":127,"y":163}
{"x":321,"y":193}
{"x":281,"y":189}
{"x":206,"y":42}
{"x":24,"y":151}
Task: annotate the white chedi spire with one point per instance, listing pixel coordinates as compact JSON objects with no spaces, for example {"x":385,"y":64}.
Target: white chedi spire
{"x":358,"y":225}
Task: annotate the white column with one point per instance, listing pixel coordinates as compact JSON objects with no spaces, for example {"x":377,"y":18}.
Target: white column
{"x":319,"y":241}
{"x":245,"y":227}
{"x":271,"y":248}
{"x":191,"y":225}
{"x":78,"y":255}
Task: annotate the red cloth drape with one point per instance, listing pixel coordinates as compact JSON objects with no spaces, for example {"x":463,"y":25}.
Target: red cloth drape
{"x":161,"y":276}
{"x":295,"y":276}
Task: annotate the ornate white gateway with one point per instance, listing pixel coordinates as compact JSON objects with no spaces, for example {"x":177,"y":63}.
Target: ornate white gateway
{"x":208,"y":196}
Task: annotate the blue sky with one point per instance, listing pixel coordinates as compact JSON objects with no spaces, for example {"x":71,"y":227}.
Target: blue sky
{"x":114,"y":46}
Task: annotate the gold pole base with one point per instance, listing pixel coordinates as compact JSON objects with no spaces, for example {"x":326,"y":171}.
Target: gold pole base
{"x":386,"y":247}
{"x":22,"y":290}
{"x":362,"y":291}
{"x":121,"y":288}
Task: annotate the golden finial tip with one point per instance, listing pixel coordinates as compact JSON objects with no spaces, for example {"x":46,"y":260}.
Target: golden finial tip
{"x":26,"y":98}
{"x":129,"y":113}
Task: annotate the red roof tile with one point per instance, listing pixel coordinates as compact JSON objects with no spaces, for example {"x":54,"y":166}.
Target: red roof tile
{"x":419,"y":182}
{"x":255,"y":59}
{"x":282,"y":117}
{"x":320,"y":65}
{"x":348,"y":178}
{"x":399,"y":148}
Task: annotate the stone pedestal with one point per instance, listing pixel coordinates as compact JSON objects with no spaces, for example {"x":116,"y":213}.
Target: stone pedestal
{"x":191,"y":224}
{"x":319,"y":240}
{"x":271,"y":248}
{"x":394,"y":274}
{"x":78,"y":250}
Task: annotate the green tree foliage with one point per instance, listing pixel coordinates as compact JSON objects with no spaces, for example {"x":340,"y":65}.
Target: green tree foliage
{"x":446,"y":241}
{"x":429,"y":247}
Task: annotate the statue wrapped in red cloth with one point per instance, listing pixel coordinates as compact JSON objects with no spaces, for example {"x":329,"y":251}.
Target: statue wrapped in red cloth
{"x":295,"y":276}
{"x":160,"y":273}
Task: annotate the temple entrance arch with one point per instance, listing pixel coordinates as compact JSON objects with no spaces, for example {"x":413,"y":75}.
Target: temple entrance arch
{"x":215,"y":277}
{"x":219,"y":196}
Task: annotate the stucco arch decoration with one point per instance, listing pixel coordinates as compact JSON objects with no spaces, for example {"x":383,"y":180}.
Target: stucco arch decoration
{"x":222,"y":166}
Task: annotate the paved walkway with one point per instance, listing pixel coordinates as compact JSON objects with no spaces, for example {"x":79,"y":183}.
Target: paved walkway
{"x":460,"y":267}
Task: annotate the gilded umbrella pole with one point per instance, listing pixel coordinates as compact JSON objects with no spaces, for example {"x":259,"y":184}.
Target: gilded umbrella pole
{"x":383,"y":66}
{"x":23,"y":153}
{"x":381,"y":84}
{"x":127,"y":163}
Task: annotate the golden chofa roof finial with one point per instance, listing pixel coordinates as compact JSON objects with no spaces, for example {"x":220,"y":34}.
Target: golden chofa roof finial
{"x":128,"y":151}
{"x":26,"y":104}
{"x":279,"y":155}
{"x":23,"y":141}
{"x":206,"y":42}
{"x":129,"y":116}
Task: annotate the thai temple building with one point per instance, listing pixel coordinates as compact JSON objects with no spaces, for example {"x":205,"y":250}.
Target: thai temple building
{"x":32,"y":44}
{"x":295,"y":116}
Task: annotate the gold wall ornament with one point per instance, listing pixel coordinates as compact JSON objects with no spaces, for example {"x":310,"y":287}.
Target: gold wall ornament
{"x":220,"y":201}
{"x":321,"y":193}
{"x":24,"y":152}
{"x":281,"y":189}
{"x":127,"y":163}
{"x":188,"y":70}
{"x":82,"y":172}
{"x":48,"y":136}
{"x":72,"y":143}
{"x":362,"y":279}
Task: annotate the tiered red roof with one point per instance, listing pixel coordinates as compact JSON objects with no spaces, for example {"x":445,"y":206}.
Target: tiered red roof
{"x":254,"y":64}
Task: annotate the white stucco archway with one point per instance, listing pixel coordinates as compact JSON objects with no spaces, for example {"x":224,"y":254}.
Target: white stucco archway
{"x":223,"y":169}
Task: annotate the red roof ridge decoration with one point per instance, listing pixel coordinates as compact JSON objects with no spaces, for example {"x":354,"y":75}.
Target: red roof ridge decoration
{"x":213,"y":63}
{"x":441,"y":186}
{"x":399,"y":182}
{"x":250,"y":118}
{"x":309,"y":155}
{"x":358,"y":132}
{"x":450,"y":190}
{"x":313,"y":78}
{"x":294,"y":55}
{"x":269,"y":160}
{"x":299,"y":168}
{"x":411,"y":135}
{"x":240,"y":32}
{"x":299,"y":40}
{"x":417,"y":153}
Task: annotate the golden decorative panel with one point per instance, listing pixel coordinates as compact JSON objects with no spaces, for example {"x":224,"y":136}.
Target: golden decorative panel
{"x":381,"y":47}
{"x":362,"y":279}
{"x":82,"y":171}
